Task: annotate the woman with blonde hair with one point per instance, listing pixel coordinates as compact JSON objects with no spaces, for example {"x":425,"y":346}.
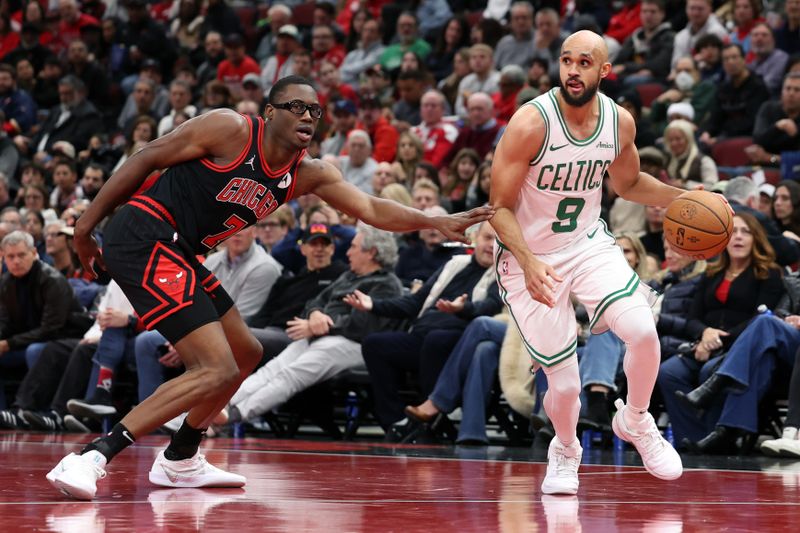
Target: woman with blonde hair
{"x":643,"y":264}
{"x":397,"y":193}
{"x":687,"y":167}
{"x":409,"y":154}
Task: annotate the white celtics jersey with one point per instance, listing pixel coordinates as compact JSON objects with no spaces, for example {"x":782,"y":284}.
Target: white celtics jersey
{"x":560,"y":199}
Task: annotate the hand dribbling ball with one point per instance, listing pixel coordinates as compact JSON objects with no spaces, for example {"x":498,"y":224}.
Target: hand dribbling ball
{"x":698,"y":224}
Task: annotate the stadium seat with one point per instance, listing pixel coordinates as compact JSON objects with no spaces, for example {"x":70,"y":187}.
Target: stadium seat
{"x":248,"y":16}
{"x":772,"y":175}
{"x":730,"y":152}
{"x":648,"y":92}
{"x":303,"y":15}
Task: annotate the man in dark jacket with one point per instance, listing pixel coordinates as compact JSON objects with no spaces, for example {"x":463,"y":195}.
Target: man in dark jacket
{"x":425,"y":254}
{"x":741,"y":92}
{"x":146,"y":38}
{"x":776,"y":129}
{"x":16,"y":104}
{"x":464,"y":288}
{"x":646,"y":55}
{"x":75,"y":120}
{"x":289,"y":294}
{"x":36,"y":304}
{"x":328,"y":340}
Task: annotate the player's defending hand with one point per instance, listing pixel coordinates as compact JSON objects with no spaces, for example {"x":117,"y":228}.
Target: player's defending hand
{"x":453,"y":226}
{"x":88,"y":252}
{"x":540,"y":281}
{"x":358,"y":300}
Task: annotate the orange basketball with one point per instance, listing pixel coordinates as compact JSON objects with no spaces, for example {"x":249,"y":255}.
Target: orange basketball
{"x":698,"y":224}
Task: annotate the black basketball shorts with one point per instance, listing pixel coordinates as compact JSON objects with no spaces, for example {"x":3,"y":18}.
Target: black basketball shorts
{"x":168,"y":287}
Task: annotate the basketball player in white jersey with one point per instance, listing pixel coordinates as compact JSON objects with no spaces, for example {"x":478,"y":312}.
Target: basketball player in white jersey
{"x":547,"y":180}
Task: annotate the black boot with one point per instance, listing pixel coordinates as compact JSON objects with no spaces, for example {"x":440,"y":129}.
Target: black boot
{"x":597,"y":416}
{"x":721,"y":441}
{"x":701,"y":397}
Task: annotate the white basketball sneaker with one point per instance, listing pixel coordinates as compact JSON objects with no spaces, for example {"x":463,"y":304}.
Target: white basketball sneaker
{"x":76,"y":475}
{"x":562,"y":468}
{"x":786,"y":446}
{"x":659,"y":458}
{"x":191,"y":473}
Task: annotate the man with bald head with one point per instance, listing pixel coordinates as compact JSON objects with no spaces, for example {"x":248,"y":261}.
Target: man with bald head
{"x":547,"y":182}
{"x":437,"y":136}
{"x":482,"y":130}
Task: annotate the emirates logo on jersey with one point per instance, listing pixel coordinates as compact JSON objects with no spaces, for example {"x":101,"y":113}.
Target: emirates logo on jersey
{"x":250,"y":194}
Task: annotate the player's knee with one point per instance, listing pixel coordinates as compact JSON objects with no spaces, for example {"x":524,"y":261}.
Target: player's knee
{"x":636,"y":328}
{"x":564,"y":383}
{"x":220,"y":377}
{"x":565,"y":389}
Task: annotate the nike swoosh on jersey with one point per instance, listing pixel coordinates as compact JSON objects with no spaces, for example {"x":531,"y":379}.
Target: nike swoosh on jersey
{"x":554,"y":147}
{"x":591,"y":235}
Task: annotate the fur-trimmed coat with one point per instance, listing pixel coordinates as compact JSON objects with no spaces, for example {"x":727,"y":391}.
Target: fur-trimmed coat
{"x":516,"y":379}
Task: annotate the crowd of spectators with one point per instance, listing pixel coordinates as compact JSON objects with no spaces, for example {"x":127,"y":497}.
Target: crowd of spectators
{"x":416,"y":96}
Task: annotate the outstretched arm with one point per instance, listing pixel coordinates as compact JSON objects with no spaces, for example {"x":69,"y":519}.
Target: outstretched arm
{"x":213,"y":134}
{"x":626,"y":178}
{"x":327,"y":183}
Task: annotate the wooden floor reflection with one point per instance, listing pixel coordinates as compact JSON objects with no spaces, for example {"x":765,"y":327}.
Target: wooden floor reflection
{"x":301,"y":486}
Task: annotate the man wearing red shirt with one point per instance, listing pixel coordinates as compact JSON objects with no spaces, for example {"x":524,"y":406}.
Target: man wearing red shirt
{"x":625,"y":21}
{"x":324,"y":47}
{"x":512,"y":79}
{"x":483,"y":130}
{"x":383,"y":135}
{"x":71,"y":20}
{"x":236,"y":65}
{"x":436,"y":135}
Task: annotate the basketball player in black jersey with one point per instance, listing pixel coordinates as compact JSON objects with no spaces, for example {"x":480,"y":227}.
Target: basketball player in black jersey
{"x":224,"y":172}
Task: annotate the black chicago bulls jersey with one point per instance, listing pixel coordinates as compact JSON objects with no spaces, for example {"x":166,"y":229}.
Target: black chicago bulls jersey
{"x":207,"y":203}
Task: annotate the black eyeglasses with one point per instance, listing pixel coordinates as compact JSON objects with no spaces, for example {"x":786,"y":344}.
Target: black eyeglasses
{"x":299,"y":108}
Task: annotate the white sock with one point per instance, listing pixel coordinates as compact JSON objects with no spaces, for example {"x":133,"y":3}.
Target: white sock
{"x":634,"y":416}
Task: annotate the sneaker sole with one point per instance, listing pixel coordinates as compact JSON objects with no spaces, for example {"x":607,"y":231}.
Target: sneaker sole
{"x":161,"y":479}
{"x":618,"y":433}
{"x":555,"y":490}
{"x":75,"y":426}
{"x":73,"y":492}
{"x":769,"y":452}
{"x":81,"y":410}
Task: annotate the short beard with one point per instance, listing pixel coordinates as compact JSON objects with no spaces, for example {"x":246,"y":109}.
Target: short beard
{"x":581,"y":100}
